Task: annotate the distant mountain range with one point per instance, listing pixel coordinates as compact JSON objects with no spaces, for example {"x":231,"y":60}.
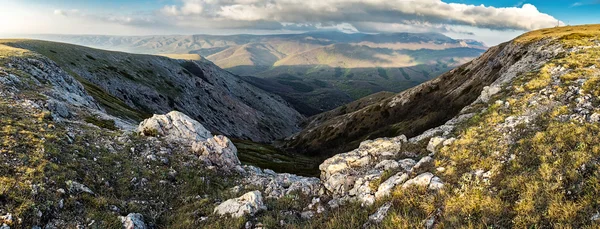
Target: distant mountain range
{"x":315,"y":71}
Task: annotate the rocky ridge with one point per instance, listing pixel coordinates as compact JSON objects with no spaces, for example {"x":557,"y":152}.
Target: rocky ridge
{"x":131,"y":87}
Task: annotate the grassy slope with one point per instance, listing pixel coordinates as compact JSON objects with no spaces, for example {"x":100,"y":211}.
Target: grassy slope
{"x":70,"y":58}
{"x":552,"y":180}
{"x":427,"y":105}
{"x":269,"y":157}
{"x":348,"y":108}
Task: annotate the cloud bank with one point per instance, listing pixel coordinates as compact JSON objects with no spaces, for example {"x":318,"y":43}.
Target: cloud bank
{"x":357,"y":12}
{"x":371,"y":16}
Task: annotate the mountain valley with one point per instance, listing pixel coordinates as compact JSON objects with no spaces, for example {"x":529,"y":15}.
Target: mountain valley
{"x":104,"y":139}
{"x":316,"y":71}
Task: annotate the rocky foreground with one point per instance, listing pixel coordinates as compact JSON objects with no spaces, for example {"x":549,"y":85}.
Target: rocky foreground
{"x":523,"y":154}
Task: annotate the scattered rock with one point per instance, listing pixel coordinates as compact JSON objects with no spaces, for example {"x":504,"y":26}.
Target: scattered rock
{"x":429,"y":223}
{"x":249,"y":203}
{"x":595,"y":117}
{"x":174,"y":125}
{"x":334,"y":203}
{"x":133,"y":221}
{"x":595,"y":216}
{"x":76,"y":188}
{"x":448,"y":142}
{"x":6,"y":219}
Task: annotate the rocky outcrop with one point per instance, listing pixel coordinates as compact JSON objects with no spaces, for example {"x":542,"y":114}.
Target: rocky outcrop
{"x":133,"y":221}
{"x":247,"y":204}
{"x":277,"y":185}
{"x":218,"y":151}
{"x":65,"y":88}
{"x":351,"y":176}
{"x":146,"y":84}
{"x":174,"y":125}
{"x":357,"y":175}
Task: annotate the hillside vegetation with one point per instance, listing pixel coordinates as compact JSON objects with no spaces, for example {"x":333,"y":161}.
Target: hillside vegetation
{"x":518,"y":148}
{"x":132,"y":87}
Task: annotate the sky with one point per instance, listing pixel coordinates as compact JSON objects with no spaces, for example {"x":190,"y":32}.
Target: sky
{"x":490,"y":21}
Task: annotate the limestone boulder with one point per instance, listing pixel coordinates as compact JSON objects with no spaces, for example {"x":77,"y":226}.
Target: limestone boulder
{"x":218,"y":151}
{"x":247,"y":204}
{"x":174,"y":125}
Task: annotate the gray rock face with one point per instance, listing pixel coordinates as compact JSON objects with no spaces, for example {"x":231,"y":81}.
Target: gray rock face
{"x":174,"y":125}
{"x":249,"y":203}
{"x":218,"y":151}
{"x":407,"y":164}
{"x":65,"y":88}
{"x":133,"y":221}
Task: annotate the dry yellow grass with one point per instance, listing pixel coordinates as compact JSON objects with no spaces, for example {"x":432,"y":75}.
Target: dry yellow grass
{"x":7,"y":51}
{"x":576,"y":32}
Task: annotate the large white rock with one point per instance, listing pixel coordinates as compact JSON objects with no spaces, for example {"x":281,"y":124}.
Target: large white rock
{"x":218,"y":151}
{"x":174,"y":125}
{"x":133,"y":221}
{"x":249,"y":203}
{"x":348,"y":176}
{"x":386,"y":187}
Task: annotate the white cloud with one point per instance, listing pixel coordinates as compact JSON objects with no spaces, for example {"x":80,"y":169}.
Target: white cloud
{"x":66,"y":13}
{"x":526,"y":17}
{"x":275,"y":16}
